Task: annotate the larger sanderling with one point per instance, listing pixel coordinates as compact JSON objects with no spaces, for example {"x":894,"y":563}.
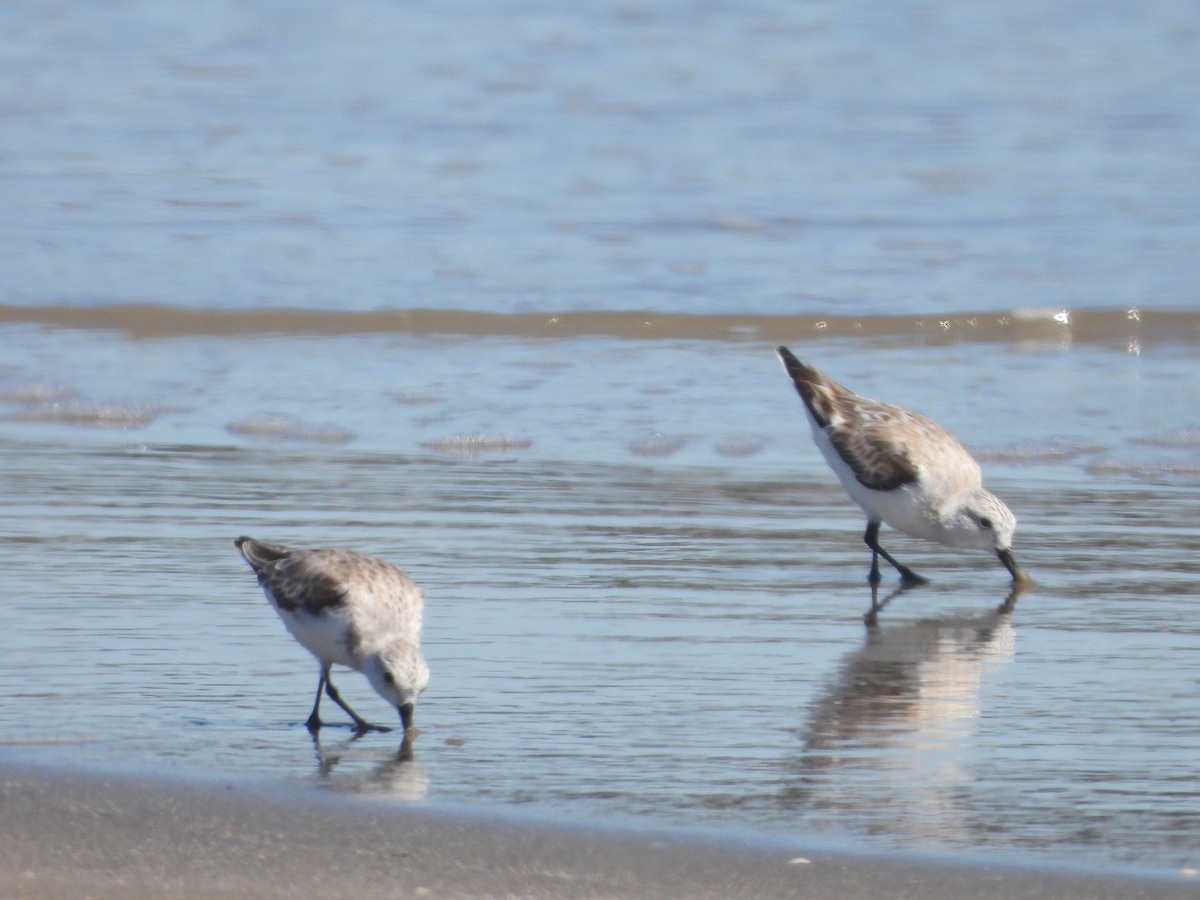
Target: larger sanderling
{"x":904,"y":470}
{"x":350,"y":609}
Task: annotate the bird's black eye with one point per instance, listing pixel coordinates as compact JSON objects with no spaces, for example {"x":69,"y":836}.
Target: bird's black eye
{"x":985,"y":522}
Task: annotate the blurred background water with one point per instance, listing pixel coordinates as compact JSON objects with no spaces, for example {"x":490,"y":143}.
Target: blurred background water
{"x":491,"y":290}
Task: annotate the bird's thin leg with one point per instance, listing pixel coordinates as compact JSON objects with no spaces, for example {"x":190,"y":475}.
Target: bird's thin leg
{"x":907,"y":575}
{"x":359,"y":722}
{"x":314,"y":719}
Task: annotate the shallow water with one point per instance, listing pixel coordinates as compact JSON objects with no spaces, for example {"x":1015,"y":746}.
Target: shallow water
{"x":245,"y":295}
{"x":645,"y":591}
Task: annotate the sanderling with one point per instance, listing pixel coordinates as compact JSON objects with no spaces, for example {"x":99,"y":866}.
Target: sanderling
{"x":351,"y":609}
{"x":904,"y":470}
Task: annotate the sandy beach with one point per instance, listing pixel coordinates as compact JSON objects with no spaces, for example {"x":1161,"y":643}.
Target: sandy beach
{"x":79,"y":835}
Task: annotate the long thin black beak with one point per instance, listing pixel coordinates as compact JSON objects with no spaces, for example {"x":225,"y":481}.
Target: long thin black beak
{"x":406,"y":714}
{"x":1017,"y":573}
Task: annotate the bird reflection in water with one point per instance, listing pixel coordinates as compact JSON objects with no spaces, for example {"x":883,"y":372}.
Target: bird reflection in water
{"x":871,"y":616}
{"x":394,"y":774}
{"x":890,"y":744}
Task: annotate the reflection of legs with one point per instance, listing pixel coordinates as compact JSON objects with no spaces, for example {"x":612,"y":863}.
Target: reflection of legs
{"x":907,"y":575}
{"x":871,"y":615}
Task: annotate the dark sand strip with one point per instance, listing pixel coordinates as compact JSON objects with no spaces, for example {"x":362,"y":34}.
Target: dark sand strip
{"x":74,"y":836}
{"x":1105,"y":327}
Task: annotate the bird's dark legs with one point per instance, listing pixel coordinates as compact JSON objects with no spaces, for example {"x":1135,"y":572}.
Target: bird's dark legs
{"x":326,"y":684}
{"x":314,"y":719}
{"x":359,"y":722}
{"x":907,"y":575}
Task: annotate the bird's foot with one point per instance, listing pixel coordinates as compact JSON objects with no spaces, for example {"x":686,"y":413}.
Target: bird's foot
{"x":359,"y":726}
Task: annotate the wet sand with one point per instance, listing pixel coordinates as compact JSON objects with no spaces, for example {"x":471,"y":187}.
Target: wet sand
{"x":73,"y":835}
{"x":1100,"y":327}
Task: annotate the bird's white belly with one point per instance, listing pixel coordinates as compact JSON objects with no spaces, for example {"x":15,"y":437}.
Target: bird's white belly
{"x":905,"y":508}
{"x":323,"y":636}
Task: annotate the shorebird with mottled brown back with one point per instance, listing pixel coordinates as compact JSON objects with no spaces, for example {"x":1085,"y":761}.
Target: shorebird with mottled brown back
{"x":903,"y":470}
{"x":348,"y":609}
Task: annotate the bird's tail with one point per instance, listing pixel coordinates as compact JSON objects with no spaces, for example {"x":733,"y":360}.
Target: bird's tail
{"x":810,"y":384}
{"x":259,"y":553}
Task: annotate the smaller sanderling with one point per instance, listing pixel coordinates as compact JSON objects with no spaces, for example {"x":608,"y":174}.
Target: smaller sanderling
{"x":349,"y":609}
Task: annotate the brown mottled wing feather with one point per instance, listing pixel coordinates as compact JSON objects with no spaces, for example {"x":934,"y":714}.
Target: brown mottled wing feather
{"x":297,"y":579}
{"x":878,"y":461}
{"x":300,"y":582}
{"x":861,"y":430}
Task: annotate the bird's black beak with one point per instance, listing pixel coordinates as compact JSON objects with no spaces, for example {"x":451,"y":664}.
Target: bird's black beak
{"x":1017,"y":573}
{"x":406,"y":714}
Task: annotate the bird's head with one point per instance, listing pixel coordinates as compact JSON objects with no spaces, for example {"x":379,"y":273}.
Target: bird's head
{"x":983,"y":522}
{"x":399,"y":675}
